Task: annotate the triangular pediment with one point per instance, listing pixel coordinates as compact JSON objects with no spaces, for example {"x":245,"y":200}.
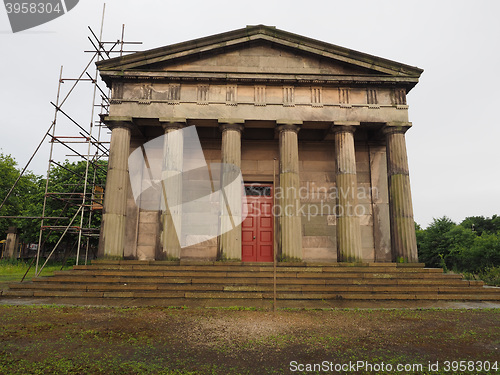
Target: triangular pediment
{"x":260,"y":57}
{"x":258,"y":49}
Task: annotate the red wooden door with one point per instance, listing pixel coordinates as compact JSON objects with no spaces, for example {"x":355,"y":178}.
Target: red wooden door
{"x":257,"y":228}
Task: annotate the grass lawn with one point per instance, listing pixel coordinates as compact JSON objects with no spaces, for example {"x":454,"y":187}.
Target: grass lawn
{"x":13,"y":271}
{"x":152,"y":340}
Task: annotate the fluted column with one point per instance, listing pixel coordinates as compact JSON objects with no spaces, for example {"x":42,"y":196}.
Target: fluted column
{"x":289,"y":199}
{"x":230,"y":238}
{"x":115,"y":198}
{"x":348,"y":229}
{"x":173,"y":147}
{"x":404,"y":243}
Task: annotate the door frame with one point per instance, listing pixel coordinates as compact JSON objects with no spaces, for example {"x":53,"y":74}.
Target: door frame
{"x":273,"y":223}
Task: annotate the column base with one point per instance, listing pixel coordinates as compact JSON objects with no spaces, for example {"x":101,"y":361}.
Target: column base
{"x":112,"y":236}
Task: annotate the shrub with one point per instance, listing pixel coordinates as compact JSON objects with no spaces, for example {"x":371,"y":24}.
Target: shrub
{"x":491,"y":276}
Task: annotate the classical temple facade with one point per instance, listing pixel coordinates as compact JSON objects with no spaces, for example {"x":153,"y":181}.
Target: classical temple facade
{"x":317,"y":130}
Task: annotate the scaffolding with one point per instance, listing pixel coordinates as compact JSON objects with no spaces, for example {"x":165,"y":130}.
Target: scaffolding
{"x":89,"y":144}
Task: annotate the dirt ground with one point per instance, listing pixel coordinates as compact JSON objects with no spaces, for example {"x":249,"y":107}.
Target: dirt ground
{"x":105,"y":340}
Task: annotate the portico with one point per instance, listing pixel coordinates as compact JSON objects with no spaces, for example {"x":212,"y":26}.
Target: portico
{"x":321,"y":125}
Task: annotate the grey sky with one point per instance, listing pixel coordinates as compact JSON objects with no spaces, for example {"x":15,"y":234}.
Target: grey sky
{"x":453,"y":146}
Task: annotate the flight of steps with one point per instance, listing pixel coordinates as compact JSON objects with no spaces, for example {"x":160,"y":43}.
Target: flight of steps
{"x":251,"y":284}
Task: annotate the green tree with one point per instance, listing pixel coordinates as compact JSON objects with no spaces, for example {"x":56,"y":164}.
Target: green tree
{"x":459,"y":241}
{"x":433,"y":244}
{"x":25,"y":199}
{"x":473,"y":246}
{"x":66,"y":189}
{"x":65,"y":192}
{"x":480,"y":224}
{"x":482,"y":254}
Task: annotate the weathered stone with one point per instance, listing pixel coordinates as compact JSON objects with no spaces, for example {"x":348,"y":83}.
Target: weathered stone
{"x":290,"y":220}
{"x":117,"y":182}
{"x":317,"y":242}
{"x":404,"y":243}
{"x":11,"y":244}
{"x":230,"y":241}
{"x":173,"y":148}
{"x":316,"y":170}
{"x":348,"y":230}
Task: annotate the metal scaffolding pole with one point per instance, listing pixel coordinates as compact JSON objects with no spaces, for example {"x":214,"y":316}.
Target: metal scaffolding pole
{"x":95,"y":154}
{"x":48,"y":173}
{"x":94,"y":82}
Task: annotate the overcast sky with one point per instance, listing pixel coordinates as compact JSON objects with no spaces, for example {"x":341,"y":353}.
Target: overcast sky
{"x":452,"y":148}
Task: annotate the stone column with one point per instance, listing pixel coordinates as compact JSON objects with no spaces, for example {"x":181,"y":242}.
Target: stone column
{"x":290,"y":220}
{"x":380,"y":201}
{"x":11,"y":243}
{"x":115,"y":197}
{"x":230,"y":241}
{"x":348,"y":229}
{"x":173,"y":148}
{"x":404,"y":243}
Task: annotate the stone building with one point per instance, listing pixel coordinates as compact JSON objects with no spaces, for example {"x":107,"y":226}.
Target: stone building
{"x":313,"y":126}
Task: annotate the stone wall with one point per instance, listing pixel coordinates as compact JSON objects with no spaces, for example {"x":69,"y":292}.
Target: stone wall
{"x":318,"y":197}
{"x":317,"y":193}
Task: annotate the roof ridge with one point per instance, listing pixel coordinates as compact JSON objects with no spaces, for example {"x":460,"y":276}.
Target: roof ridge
{"x":251,"y":33}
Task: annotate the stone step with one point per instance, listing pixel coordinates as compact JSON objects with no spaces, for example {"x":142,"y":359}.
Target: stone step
{"x":248,"y":295}
{"x":260,"y":274}
{"x":281,"y":269}
{"x":384,"y":296}
{"x":250,"y":281}
{"x":131,"y":263}
{"x":230,"y":281}
{"x":231,"y":264}
{"x":352,"y":280}
{"x":253,"y":288}
{"x":476,"y":282}
{"x":131,"y":294}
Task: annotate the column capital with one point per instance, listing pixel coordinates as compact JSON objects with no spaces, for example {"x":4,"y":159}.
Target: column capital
{"x":113,"y":122}
{"x":231,"y":124}
{"x":344,"y":127}
{"x":173,"y":123}
{"x":288,"y":125}
{"x":396,"y":127}
{"x":11,"y":230}
{"x":346,"y":123}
